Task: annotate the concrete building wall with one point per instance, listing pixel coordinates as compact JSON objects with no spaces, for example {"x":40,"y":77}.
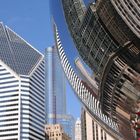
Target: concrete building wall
{"x":92,"y":130}
{"x":56,"y":132}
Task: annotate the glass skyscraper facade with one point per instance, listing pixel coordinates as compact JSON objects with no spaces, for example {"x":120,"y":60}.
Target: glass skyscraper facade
{"x":55,"y":86}
{"x":22,"y":89}
{"x":56,"y":92}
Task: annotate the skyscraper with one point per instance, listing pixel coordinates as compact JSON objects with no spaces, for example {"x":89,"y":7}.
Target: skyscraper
{"x":56,"y":132}
{"x":56,"y":93}
{"x":78,"y":130}
{"x":55,"y":87}
{"x":22,"y":96}
{"x":85,"y":94}
{"x":68,"y":124}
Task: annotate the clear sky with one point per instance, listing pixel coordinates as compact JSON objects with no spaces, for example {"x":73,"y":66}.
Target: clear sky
{"x":30,"y":19}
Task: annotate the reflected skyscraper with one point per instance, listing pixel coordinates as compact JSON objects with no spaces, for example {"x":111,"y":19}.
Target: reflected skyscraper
{"x":56,"y":93}
{"x":106,"y":35}
{"x":22,"y":90}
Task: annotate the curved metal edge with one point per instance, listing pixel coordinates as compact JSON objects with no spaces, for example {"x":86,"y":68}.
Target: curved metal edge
{"x":81,"y":91}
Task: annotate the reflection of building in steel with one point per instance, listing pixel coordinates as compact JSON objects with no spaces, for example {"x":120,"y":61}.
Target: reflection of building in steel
{"x":74,"y":11}
{"x":108,"y":38}
{"x":84,"y":94}
{"x":129,"y":10}
{"x":91,"y":129}
{"x":56,"y":132}
{"x":85,"y":76}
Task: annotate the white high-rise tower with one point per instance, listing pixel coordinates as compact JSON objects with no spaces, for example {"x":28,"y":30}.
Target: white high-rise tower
{"x":22,"y":96}
{"x":78,"y":129}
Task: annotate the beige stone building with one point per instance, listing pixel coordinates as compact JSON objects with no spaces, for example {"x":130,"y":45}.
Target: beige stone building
{"x":56,"y":132}
{"x":92,"y":129}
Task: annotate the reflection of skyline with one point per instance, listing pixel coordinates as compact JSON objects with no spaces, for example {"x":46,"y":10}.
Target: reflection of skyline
{"x":107,"y":37}
{"x":55,"y":86}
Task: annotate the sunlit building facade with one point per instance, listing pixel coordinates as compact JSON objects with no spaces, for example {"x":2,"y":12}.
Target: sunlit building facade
{"x":22,"y":89}
{"x":56,"y":132}
{"x":91,"y":129}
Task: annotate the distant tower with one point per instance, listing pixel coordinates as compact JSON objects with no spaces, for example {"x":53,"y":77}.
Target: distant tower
{"x":91,"y":129}
{"x":78,"y":129}
{"x":56,"y":93}
{"x":55,"y":87}
{"x":22,"y":96}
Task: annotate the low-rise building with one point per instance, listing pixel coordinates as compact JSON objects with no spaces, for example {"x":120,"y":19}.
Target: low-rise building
{"x":91,"y":129}
{"x":56,"y":132}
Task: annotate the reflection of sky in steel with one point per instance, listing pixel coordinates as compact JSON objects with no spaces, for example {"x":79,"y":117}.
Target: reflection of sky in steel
{"x":66,"y":39}
{"x":59,"y":19}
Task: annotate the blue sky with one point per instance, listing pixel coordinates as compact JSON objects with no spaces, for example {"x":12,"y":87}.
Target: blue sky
{"x":30,"y":19}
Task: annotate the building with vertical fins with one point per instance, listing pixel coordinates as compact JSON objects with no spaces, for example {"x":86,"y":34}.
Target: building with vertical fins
{"x":56,"y":93}
{"x":22,"y":89}
{"x":106,"y":35}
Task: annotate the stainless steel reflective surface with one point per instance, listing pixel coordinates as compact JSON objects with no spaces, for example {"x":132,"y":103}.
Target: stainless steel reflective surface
{"x":93,"y":31}
{"x":85,"y":95}
{"x":59,"y":19}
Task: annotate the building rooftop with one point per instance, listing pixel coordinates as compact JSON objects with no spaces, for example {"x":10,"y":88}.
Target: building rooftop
{"x":19,"y":55}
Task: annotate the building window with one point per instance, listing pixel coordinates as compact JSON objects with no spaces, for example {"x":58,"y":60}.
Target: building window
{"x":96,"y":132}
{"x":105,"y":138}
{"x":93,"y":130}
{"x":102,"y":138}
